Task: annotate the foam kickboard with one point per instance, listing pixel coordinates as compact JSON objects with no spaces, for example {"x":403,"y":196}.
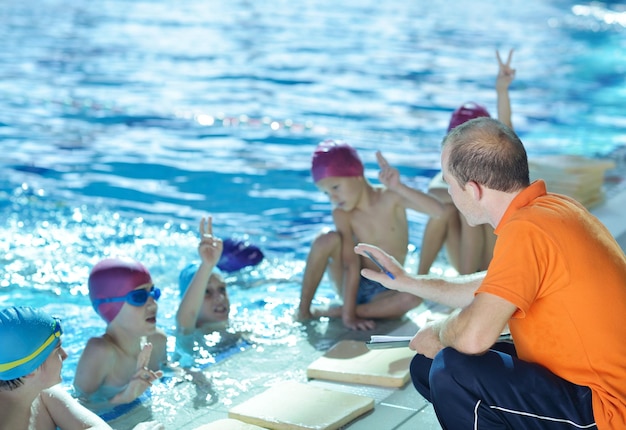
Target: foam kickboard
{"x":228,"y":424}
{"x":351,"y":361}
{"x":295,"y":405}
{"x":571,"y":164}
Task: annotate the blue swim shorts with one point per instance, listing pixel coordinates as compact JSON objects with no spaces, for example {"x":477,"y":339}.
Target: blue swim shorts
{"x":368,"y":289}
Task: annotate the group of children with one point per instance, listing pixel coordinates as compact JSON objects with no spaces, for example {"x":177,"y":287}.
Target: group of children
{"x":115,"y":368}
{"x":377,"y":215}
{"x":120,"y":365}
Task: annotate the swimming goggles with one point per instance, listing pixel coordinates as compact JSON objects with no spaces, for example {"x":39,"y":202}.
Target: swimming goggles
{"x":56,"y":333}
{"x":135,"y":297}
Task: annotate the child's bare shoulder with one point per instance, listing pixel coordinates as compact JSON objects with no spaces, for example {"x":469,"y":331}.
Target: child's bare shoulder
{"x":388,"y":198}
{"x":100,"y":347}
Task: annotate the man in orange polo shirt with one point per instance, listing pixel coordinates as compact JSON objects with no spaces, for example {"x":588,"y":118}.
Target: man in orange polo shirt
{"x":557,"y":280}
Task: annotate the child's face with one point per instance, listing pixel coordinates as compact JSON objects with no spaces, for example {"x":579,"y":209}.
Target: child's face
{"x":140,"y":319}
{"x":51,"y":368}
{"x":216,"y":305}
{"x":343,"y":192}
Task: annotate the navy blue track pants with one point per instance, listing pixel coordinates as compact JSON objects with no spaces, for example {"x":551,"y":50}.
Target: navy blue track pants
{"x":497,"y":390}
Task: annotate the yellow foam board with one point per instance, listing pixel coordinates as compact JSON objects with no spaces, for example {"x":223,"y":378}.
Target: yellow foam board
{"x":229,"y":424}
{"x":572,"y":164}
{"x":351,"y":361}
{"x":575,"y":176}
{"x":295,"y":405}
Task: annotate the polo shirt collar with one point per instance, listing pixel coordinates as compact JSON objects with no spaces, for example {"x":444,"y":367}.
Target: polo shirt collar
{"x":524,"y":198}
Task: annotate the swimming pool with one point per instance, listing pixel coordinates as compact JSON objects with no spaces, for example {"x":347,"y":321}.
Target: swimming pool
{"x":122,"y":123}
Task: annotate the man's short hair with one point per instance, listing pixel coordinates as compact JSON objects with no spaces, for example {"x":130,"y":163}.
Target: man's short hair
{"x":486,"y":151}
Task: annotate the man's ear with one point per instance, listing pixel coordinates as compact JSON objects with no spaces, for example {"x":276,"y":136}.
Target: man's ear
{"x":476,"y":188}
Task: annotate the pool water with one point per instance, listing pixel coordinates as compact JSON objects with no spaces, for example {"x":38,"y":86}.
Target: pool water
{"x":122,"y":123}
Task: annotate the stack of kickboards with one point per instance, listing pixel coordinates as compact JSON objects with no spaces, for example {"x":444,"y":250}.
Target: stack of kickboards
{"x":579,"y":177}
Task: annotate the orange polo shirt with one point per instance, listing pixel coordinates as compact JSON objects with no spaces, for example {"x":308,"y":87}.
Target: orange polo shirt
{"x":566,"y":274}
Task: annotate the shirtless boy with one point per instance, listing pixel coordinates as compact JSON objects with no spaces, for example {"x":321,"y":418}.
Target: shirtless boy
{"x":362,"y":212}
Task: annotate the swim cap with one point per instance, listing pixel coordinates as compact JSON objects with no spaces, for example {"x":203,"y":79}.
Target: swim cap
{"x":185,"y":276}
{"x":28,"y":336}
{"x":235,"y":256}
{"x":465,"y":112}
{"x":335,"y":159}
{"x":115,"y":277}
{"x":238,"y":254}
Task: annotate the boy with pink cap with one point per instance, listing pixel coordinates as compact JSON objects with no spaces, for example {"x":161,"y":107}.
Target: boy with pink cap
{"x":469,"y":248}
{"x":121,"y":364}
{"x":361,"y":213}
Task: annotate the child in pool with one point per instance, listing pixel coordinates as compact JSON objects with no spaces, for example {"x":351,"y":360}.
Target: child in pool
{"x":362,"y":213}
{"x":30,"y":374}
{"x":121,"y":364}
{"x":204,"y":297}
{"x":469,"y":248}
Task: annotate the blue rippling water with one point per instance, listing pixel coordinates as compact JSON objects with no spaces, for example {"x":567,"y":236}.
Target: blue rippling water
{"x":123,"y":122}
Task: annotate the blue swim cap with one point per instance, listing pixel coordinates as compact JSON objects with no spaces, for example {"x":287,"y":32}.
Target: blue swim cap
{"x":27,"y":336}
{"x":185,"y":277}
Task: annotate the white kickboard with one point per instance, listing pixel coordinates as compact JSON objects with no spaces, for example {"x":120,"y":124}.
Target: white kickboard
{"x":351,"y":361}
{"x":295,"y":405}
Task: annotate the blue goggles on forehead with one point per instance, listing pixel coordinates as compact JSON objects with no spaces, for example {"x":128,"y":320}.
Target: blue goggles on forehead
{"x":135,"y":297}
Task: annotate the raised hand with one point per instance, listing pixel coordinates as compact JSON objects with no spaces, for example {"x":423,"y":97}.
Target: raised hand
{"x":210,"y":247}
{"x":141,"y":380}
{"x":506,"y":73}
{"x":388,"y":176}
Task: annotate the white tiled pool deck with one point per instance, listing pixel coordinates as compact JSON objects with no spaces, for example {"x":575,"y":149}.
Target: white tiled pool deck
{"x":395,"y":409}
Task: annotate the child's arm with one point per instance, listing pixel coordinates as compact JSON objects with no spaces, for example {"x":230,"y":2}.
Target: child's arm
{"x":158,"y":357}
{"x":351,"y":274}
{"x":94,"y":365}
{"x":505,"y":76}
{"x":413,"y":199}
{"x":67,"y":413}
{"x":210,"y":250}
{"x":141,"y":380}
{"x":97,"y":362}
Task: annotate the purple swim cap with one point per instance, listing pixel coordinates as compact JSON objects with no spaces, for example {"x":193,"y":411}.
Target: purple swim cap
{"x":335,"y":159}
{"x":115,"y":277}
{"x":465,"y":112}
{"x":238,"y":254}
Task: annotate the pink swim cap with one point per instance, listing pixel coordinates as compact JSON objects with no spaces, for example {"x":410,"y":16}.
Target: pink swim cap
{"x":115,"y":277}
{"x":335,"y":159}
{"x":465,"y":112}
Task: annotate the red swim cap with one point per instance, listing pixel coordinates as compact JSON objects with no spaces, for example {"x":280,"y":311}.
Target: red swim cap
{"x":115,"y":277}
{"x":465,"y":112}
{"x":335,"y":159}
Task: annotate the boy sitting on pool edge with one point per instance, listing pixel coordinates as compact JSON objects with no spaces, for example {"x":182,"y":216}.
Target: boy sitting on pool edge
{"x":360,"y":210}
